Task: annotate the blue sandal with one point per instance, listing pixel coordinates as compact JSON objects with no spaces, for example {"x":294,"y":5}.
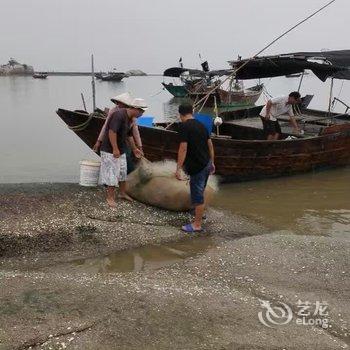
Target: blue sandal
{"x":189,"y":229}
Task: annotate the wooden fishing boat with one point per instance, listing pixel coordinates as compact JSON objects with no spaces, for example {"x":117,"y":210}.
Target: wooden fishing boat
{"x":113,"y":76}
{"x":245,"y":96}
{"x":99,"y":75}
{"x":40,"y":75}
{"x":196,"y":85}
{"x":234,"y":98}
{"x":242,"y":153}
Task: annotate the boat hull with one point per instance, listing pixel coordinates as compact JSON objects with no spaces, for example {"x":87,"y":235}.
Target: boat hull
{"x":243,"y":160}
{"x":238,"y":160}
{"x":40,"y":76}
{"x":116,"y":79}
{"x":176,"y":90}
{"x":245,"y":97}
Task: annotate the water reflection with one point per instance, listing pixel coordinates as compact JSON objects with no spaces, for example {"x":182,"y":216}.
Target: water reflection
{"x":305,"y":204}
{"x":145,"y":258}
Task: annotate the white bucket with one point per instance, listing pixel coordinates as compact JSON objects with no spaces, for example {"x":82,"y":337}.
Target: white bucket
{"x":89,"y":173}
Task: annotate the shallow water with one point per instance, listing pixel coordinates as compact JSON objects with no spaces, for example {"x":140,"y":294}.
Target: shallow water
{"x":145,"y":258}
{"x":315,"y":203}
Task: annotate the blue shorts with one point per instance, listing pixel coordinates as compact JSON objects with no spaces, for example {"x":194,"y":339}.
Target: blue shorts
{"x":198,"y":182}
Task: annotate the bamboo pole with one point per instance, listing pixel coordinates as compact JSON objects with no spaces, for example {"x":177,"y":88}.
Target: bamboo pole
{"x":83,"y":99}
{"x":93,"y":84}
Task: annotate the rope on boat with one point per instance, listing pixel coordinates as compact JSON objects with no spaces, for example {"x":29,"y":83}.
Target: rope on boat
{"x":335,"y":100}
{"x":266,"y":93}
{"x":85,"y":124}
{"x":261,"y":51}
{"x":204,"y":103}
{"x":157,"y":93}
{"x":81,"y":126}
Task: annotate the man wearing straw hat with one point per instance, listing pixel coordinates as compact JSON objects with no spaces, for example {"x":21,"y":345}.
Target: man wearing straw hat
{"x":118,"y":133}
{"x":123,"y":100}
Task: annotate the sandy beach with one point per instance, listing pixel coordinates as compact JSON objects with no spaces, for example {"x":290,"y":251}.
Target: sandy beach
{"x":210,"y":300}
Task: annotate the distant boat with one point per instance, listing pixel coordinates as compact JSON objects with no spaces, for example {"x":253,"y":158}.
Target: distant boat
{"x":40,"y":75}
{"x":196,"y":84}
{"x":99,"y":75}
{"x":230,"y":98}
{"x":111,"y":76}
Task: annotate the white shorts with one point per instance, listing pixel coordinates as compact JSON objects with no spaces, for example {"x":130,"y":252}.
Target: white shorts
{"x":113,"y":170}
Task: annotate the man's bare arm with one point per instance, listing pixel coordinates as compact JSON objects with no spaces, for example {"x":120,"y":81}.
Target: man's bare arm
{"x":268,"y":109}
{"x":211,"y":150}
{"x":181,"y":156}
{"x":212,"y":155}
{"x":294,"y":123}
{"x":137,"y":152}
{"x":113,"y":140}
{"x":132,"y":143}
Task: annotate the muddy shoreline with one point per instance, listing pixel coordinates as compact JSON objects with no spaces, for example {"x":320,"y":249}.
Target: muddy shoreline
{"x":208,"y":301}
{"x":71,"y":220}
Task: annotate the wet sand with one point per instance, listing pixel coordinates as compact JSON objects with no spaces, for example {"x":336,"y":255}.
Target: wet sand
{"x":209,"y":300}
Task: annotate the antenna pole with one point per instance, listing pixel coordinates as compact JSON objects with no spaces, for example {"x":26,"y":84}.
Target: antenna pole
{"x":330,"y":97}
{"x":93,"y":84}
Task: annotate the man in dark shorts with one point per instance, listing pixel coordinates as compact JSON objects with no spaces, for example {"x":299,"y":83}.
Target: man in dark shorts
{"x":196,"y":157}
{"x":276,"y":107}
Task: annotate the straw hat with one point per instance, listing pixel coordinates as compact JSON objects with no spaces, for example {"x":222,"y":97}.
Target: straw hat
{"x":124,"y":98}
{"x":139,"y":103}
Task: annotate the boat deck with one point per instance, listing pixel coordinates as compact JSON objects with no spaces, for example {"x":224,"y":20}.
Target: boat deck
{"x":311,"y":124}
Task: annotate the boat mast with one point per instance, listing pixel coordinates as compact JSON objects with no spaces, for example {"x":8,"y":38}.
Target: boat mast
{"x":330,"y":97}
{"x":93,"y":84}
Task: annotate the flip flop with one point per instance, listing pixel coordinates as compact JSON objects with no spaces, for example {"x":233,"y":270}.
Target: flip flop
{"x":189,"y":229}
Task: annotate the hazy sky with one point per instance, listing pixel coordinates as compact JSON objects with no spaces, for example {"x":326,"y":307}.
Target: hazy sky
{"x":153,"y":34}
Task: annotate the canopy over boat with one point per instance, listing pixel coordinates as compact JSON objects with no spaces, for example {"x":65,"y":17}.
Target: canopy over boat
{"x":331,"y":64}
{"x":334,"y":64}
{"x":338,"y":58}
{"x":176,"y":72}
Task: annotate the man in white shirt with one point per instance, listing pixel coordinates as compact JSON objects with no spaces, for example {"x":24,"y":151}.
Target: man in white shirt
{"x":276,"y":107}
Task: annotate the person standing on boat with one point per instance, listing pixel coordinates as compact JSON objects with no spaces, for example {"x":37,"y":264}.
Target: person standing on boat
{"x":276,"y":107}
{"x":121,"y":101}
{"x":196,"y":157}
{"x":118,"y":133}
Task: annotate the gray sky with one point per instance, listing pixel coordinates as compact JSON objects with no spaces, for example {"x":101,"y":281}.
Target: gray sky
{"x":153,"y":34}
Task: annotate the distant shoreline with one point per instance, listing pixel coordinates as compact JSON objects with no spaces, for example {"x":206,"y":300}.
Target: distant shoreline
{"x":76,"y":74}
